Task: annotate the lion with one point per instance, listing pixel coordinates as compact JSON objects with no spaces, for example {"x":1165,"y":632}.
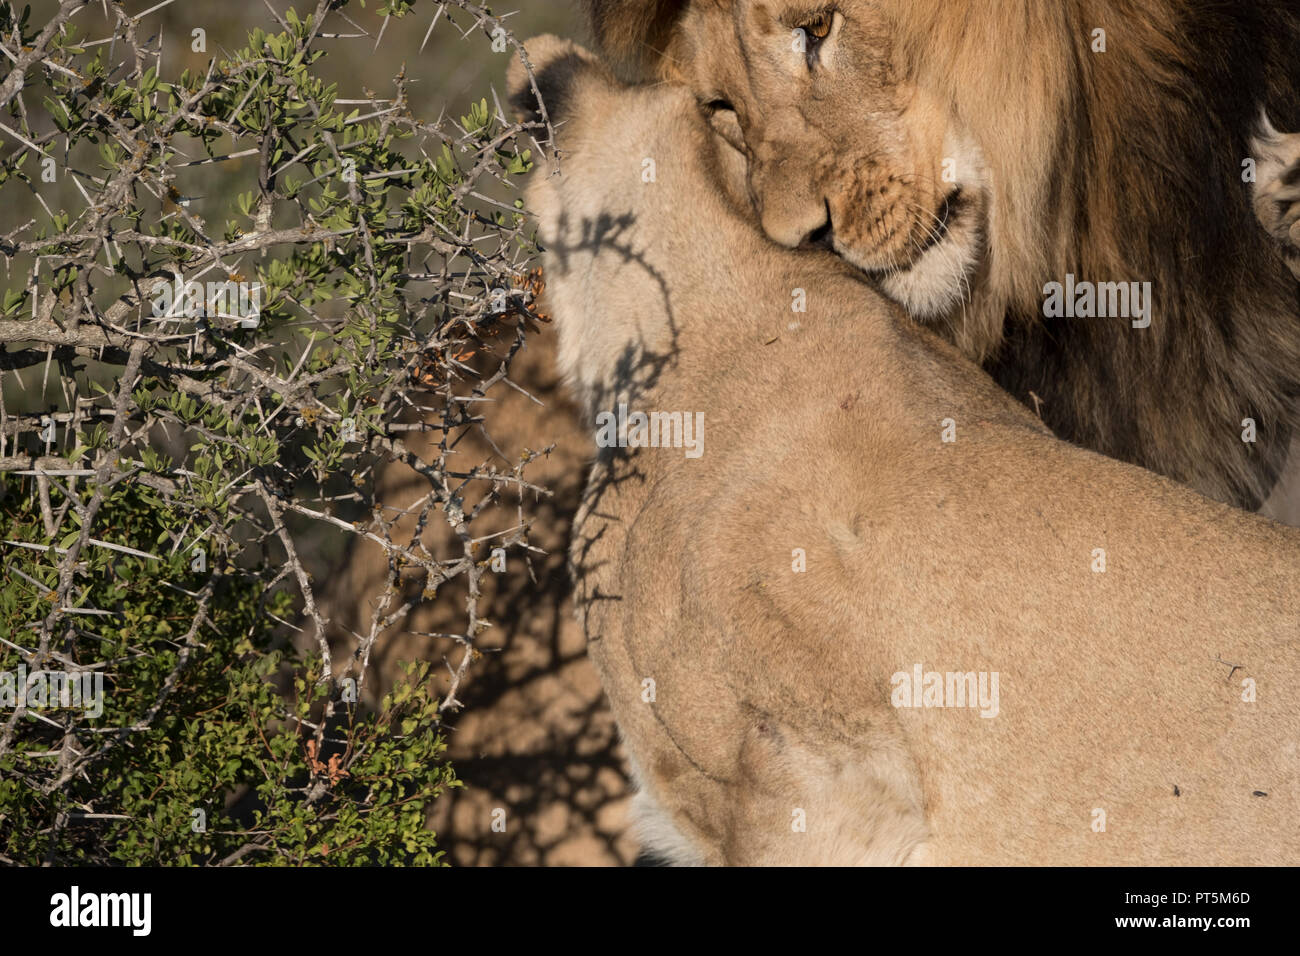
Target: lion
{"x":970,"y":156}
{"x":850,"y":601}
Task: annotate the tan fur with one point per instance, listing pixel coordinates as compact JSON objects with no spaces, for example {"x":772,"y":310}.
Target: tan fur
{"x":1120,"y":691}
{"x":1114,"y":166}
{"x":1277,"y":189}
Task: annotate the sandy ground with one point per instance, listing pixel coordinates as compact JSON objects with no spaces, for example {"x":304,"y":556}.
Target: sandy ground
{"x":535,"y":737}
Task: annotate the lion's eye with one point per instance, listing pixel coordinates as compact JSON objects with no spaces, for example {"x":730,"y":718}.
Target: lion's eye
{"x":819,"y":26}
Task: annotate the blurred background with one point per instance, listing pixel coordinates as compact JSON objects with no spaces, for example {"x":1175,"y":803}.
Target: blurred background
{"x":448,"y":70}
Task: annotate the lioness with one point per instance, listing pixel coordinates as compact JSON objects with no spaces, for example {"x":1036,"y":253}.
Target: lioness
{"x":779,"y":596}
{"x":973,"y":154}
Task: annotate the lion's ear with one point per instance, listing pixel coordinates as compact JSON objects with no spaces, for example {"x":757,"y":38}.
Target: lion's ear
{"x":559,"y":66}
{"x":633,"y":34}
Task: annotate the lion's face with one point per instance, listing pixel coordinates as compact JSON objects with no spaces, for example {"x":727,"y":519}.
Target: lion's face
{"x":842,"y":150}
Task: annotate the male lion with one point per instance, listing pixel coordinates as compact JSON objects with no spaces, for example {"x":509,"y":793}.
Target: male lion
{"x":971,"y":154}
{"x":867,"y":609}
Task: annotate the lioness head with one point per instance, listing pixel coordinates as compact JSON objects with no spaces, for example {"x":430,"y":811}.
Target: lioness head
{"x":636,"y":171}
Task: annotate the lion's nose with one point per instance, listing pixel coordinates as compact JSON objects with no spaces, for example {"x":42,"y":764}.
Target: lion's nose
{"x":790,"y":216}
{"x":796,"y":225}
{"x":823,"y":237}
